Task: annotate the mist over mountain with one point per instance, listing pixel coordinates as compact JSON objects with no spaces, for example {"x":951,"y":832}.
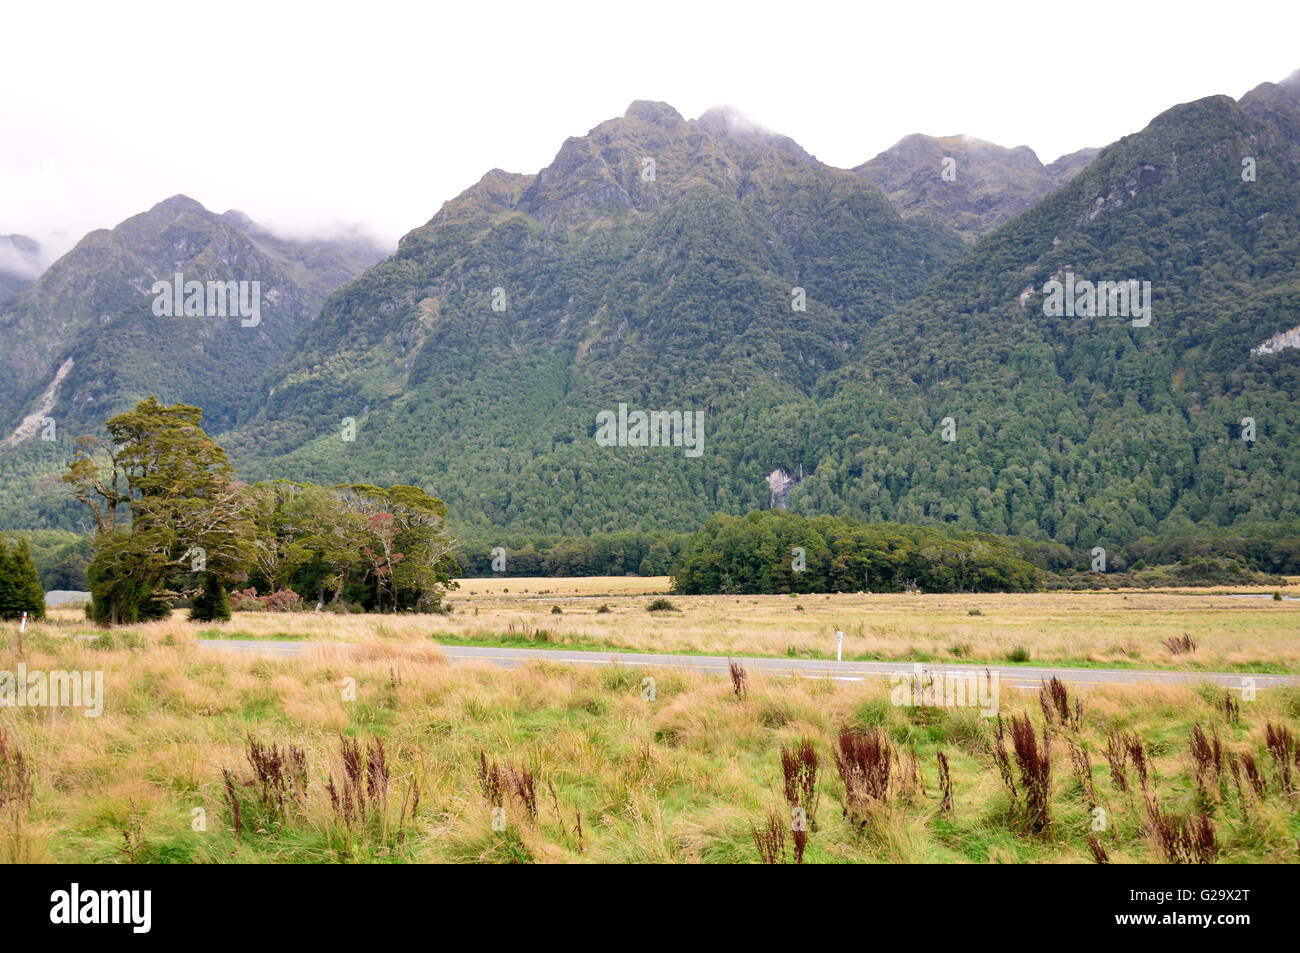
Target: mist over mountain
{"x":20,"y":264}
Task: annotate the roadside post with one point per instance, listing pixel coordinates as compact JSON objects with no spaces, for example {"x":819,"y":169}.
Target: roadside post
{"x":839,"y":645}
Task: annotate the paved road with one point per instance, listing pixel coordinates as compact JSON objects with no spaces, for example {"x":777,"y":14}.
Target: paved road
{"x":1018,"y":676}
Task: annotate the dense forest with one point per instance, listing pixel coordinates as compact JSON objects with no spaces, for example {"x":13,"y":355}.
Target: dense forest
{"x":779,"y":552}
{"x":782,"y":552}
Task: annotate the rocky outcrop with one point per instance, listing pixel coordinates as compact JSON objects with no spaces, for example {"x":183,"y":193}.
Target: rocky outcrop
{"x":1278,"y":342}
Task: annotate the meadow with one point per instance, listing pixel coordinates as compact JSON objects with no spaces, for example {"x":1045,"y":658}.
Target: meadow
{"x":1241,"y":630}
{"x":376,"y":749}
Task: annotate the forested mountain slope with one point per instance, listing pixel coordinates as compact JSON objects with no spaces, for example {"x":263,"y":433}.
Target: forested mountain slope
{"x":713,"y":267}
{"x":654,"y":262}
{"x":83,"y":341}
{"x":1088,"y":429}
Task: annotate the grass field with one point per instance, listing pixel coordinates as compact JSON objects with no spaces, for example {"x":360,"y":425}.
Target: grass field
{"x":1111,"y":629}
{"x":178,"y":767}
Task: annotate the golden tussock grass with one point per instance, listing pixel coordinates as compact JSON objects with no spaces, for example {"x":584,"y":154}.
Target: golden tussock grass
{"x":682,"y":778}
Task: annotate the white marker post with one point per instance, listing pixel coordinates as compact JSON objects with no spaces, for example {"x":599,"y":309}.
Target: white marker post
{"x":22,"y":626}
{"x":839,"y":645}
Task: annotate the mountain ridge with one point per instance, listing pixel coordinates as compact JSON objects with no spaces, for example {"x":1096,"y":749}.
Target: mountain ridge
{"x":713,"y":266}
{"x":968,"y":184}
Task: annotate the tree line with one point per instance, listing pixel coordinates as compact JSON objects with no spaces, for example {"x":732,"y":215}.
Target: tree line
{"x":773,"y":551}
{"x":632,"y":553}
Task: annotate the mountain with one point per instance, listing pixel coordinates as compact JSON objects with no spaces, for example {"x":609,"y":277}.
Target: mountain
{"x":866,"y":363}
{"x":706,"y":265}
{"x":83,"y":341}
{"x":674,"y":294}
{"x":969,"y":185}
{"x":20,"y":264}
{"x":1092,"y":430}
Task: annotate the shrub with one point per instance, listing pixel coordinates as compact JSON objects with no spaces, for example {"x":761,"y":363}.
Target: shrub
{"x":1098,"y":852}
{"x":1018,"y":654}
{"x":1054,"y":699}
{"x":282,"y":600}
{"x":247,"y":600}
{"x":661,"y":605}
{"x":1207,"y":756}
{"x":945,"y":783}
{"x":16,"y":791}
{"x":1230,"y":708}
{"x":495,"y":782}
{"x":1281,"y":747}
{"x":279,"y":782}
{"x":1117,"y":748}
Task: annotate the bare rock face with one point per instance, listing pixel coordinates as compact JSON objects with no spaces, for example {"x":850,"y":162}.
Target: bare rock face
{"x":780,"y":483}
{"x":1278,"y":342}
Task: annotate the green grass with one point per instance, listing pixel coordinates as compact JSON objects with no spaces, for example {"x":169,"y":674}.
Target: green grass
{"x":222,"y":633}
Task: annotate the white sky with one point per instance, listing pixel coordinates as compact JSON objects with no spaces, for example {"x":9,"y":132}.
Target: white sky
{"x":310,"y":116}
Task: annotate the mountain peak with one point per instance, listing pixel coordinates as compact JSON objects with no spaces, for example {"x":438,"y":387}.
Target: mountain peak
{"x":733,"y":124}
{"x":240,"y":221}
{"x":969,"y":184}
{"x":659,"y":114}
{"x":178,"y":204}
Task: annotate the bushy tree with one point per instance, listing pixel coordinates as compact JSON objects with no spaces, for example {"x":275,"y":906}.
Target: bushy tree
{"x":188,"y":516}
